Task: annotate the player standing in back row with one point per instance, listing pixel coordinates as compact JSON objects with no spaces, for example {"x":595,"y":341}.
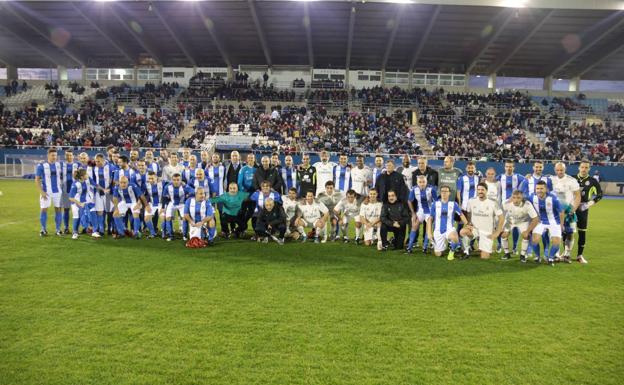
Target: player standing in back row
{"x":591,"y":193}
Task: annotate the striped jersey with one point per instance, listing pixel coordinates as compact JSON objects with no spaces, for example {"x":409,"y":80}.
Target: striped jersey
{"x":528,"y":185}
{"x":102,"y":176}
{"x":130,"y":194}
{"x":198,"y":210}
{"x":259,"y":197}
{"x":174,"y":194}
{"x":153,"y":192}
{"x":82,"y":191}
{"x":443,"y":214}
{"x":424,"y":198}
{"x":342,"y":178}
{"x":51,"y":176}
{"x":216,"y":176}
{"x":68,"y":174}
{"x":467,"y":188}
{"x":289,"y":176}
{"x":509,"y":183}
{"x":548,"y":208}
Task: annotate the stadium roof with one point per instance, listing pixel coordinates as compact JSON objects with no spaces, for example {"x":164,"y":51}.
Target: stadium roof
{"x":563,"y":38}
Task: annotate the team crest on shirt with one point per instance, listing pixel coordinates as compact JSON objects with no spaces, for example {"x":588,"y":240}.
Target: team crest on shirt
{"x":586,"y":183}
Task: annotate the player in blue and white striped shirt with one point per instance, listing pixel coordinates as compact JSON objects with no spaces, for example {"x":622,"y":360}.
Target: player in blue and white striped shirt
{"x":127,"y":196}
{"x":69,"y":167}
{"x":551,"y":217}
{"x":441,"y":224}
{"x":467,"y":186}
{"x":510,"y":182}
{"x":81,"y":196}
{"x":289,"y":175}
{"x":199,"y":214}
{"x":342,"y":175}
{"x":153,"y":191}
{"x":102,"y":176}
{"x":423,"y":196}
{"x":48,"y":178}
{"x":175,"y":196}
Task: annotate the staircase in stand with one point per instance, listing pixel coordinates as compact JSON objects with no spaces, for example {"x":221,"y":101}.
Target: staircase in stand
{"x":186,"y":133}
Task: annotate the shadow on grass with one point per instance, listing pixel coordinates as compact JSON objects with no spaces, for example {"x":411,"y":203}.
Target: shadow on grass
{"x":327,"y":260}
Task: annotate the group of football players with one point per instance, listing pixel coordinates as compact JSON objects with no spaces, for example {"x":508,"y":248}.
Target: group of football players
{"x":134,"y":196}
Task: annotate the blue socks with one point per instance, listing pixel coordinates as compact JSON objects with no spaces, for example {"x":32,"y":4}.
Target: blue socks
{"x":58,"y":219}
{"x":184,"y":228}
{"x":121,"y":227}
{"x":43,"y":219}
{"x":554,"y":249}
{"x":212,"y":231}
{"x":76,"y":222}
{"x":66,"y":218}
{"x":412,"y":237}
{"x":137,"y":225}
{"x":150,"y":226}
{"x":425,"y":242}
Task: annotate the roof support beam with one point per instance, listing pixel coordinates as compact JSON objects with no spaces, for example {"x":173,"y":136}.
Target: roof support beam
{"x":504,"y":58}
{"x":209,"y":24}
{"x":350,"y":36}
{"x":393,"y":32}
{"x":619,"y":16}
{"x":503,"y":18}
{"x":308,"y":29}
{"x":134,"y":34}
{"x":10,"y":7}
{"x":610,"y":50}
{"x":52,"y":60}
{"x":103,"y":33}
{"x":263,"y":42}
{"x":177,"y":40}
{"x":425,"y":36}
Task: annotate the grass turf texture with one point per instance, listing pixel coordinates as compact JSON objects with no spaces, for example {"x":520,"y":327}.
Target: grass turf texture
{"x":150,"y":312}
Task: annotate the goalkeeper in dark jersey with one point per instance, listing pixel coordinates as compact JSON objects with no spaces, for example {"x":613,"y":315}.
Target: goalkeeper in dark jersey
{"x":591,"y":193}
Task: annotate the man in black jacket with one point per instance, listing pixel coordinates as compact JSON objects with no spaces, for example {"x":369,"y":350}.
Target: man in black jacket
{"x":392,"y":181}
{"x":428,"y":172}
{"x":394,"y":218}
{"x":232,"y":168}
{"x":271,"y":220}
{"x":268,"y":173}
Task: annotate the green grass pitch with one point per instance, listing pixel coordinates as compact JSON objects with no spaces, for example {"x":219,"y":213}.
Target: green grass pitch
{"x":150,"y":312}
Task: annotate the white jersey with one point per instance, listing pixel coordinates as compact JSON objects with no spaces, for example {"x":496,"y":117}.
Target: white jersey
{"x":169,"y":171}
{"x":330,"y":201}
{"x":565,"y":188}
{"x":407,"y":175}
{"x":290,"y":207}
{"x":522,"y":213}
{"x":483,"y":214}
{"x":494,"y":191}
{"x":324,"y":173}
{"x":312,"y":212}
{"x":360,"y":178}
{"x":346,"y":208}
{"x":371,"y":211}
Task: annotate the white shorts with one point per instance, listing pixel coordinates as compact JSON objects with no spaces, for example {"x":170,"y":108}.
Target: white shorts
{"x":368,"y":233}
{"x":310,"y":222}
{"x":123,"y":208}
{"x":75,"y":211}
{"x":553,"y":230}
{"x":52,"y":199}
{"x":522,"y":227}
{"x":65,"y":202}
{"x":486,"y":244}
{"x":195,"y":232}
{"x":440,"y":240}
{"x":171,"y":209}
{"x":422,"y":217}
{"x":153,"y":211}
{"x":348,"y":218}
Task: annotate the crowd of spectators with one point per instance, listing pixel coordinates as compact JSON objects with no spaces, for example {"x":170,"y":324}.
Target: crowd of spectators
{"x":13,"y":87}
{"x":236,"y":91}
{"x":302,"y":129}
{"x":91,"y":125}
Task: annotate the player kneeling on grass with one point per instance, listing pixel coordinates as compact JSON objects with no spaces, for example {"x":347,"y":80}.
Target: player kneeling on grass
{"x":394,"y":218}
{"x":441,"y":224}
{"x":370,"y":215}
{"x":233,"y":220}
{"x":127,"y":196}
{"x":199,"y":215}
{"x":346,"y":210}
{"x":520,"y":216}
{"x":483,"y":213}
{"x":271,"y":220}
{"x":289,"y":204}
{"x":311,"y":214}
{"x":81,"y":196}
{"x":551,"y":220}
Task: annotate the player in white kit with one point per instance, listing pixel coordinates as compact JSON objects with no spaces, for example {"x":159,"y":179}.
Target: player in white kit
{"x":311,"y":214}
{"x":289,"y":204}
{"x":568,"y":192}
{"x":324,"y":172}
{"x":347,"y":210}
{"x":370,"y":216}
{"x":486,"y":222}
{"x":521,"y":216}
{"x":360,"y":177}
